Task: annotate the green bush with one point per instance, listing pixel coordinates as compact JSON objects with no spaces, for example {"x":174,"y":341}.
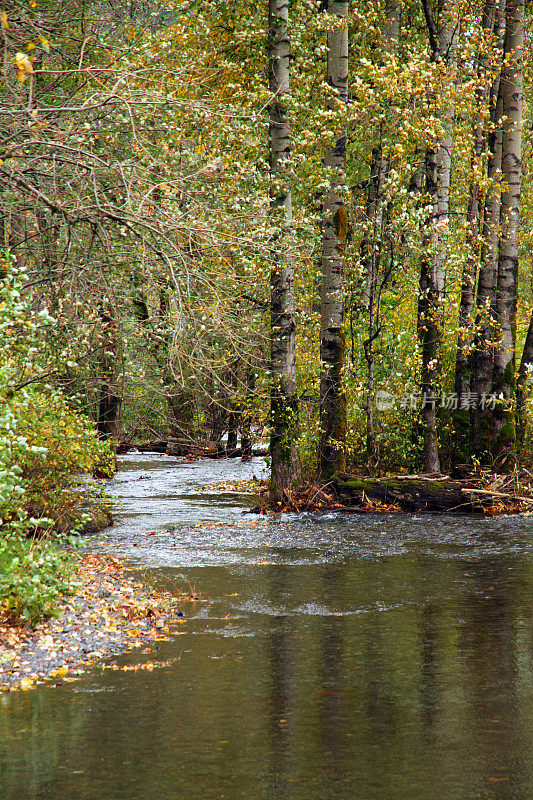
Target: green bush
{"x":44,"y":448}
{"x":33,"y":575}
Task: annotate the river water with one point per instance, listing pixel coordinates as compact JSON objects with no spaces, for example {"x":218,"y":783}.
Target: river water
{"x":329,"y":657}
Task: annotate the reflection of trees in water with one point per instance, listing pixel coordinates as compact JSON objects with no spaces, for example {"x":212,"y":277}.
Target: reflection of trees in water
{"x":430,"y":664}
{"x":325,"y":760}
{"x":430,"y":635}
{"x":379,"y":691}
{"x":488,"y":640}
{"x":281,"y":696}
{"x":332,"y":713}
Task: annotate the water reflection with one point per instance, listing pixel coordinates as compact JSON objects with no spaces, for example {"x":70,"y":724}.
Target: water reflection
{"x":332,"y":691}
{"x":377,"y":658}
{"x":489,"y":643}
{"x":430,"y":664}
{"x":282,"y":677}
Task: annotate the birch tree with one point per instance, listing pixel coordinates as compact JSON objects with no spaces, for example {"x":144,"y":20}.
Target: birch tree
{"x":442,"y":37}
{"x":284,"y":403}
{"x":504,"y":377}
{"x":332,"y":444}
{"x":484,"y":76}
{"x":485,"y":327}
{"x":373,"y":242}
{"x":524,"y":373}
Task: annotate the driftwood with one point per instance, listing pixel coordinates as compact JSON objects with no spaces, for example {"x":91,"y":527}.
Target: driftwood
{"x":174,"y":447}
{"x":159,"y":446}
{"x":187,"y":447}
{"x":502,"y":495}
{"x":412,"y":493}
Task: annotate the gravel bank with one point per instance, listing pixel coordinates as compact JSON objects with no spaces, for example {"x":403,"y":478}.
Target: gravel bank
{"x":109,"y":614}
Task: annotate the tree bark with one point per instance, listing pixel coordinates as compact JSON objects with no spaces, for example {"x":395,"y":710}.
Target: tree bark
{"x":524,"y":372}
{"x":286,"y":471}
{"x":483,"y":350}
{"x":246,"y":417}
{"x":332,"y":443}
{"x":462,"y":413}
{"x":110,"y":400}
{"x":442,"y":37}
{"x":504,"y":376}
{"x":411,"y":493}
{"x":391,"y":26}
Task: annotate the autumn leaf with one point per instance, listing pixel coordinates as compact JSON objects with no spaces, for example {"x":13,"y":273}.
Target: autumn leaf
{"x":24,"y":66}
{"x":44,"y":42}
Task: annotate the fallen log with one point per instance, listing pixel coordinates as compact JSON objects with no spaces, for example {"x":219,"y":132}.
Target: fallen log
{"x":188,"y":447}
{"x":158,"y":446}
{"x":412,"y":493}
{"x":503,"y":495}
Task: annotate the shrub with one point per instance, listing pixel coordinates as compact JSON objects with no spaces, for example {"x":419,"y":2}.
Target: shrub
{"x":44,"y":447}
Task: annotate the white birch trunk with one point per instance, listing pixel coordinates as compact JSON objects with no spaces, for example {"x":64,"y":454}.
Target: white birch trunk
{"x":332,"y":445}
{"x":483,"y":352}
{"x":433,"y":267}
{"x":463,"y":417}
{"x":504,"y":369}
{"x":285,"y":472}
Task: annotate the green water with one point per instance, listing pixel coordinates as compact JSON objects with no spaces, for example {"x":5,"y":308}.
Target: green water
{"x":329,"y":658}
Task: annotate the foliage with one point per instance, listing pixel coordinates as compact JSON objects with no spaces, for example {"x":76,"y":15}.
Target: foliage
{"x":33,"y":575}
{"x":44,"y":446}
{"x":145,"y":229}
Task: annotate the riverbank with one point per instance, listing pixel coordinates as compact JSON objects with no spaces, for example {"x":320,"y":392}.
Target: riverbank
{"x":109,"y":613}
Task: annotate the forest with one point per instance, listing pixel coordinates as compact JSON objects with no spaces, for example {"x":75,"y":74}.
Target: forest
{"x":306,"y":223}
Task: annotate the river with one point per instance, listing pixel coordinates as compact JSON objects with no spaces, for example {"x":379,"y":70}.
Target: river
{"x":329,"y":657}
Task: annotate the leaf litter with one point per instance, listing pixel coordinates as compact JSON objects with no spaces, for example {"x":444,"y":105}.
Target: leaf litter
{"x":109,"y":613}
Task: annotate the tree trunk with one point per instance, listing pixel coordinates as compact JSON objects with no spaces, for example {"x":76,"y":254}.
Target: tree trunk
{"x":411,"y":494}
{"x":110,"y":400}
{"x":462,"y":412}
{"x":233,"y":426}
{"x":430,"y":326}
{"x":483,"y":350}
{"x":246,"y":417}
{"x":286,"y":471}
{"x":377,"y":218}
{"x":442,"y":38}
{"x":503,"y":376}
{"x":391,"y":26}
{"x":332,"y":443}
{"x":526,"y":369}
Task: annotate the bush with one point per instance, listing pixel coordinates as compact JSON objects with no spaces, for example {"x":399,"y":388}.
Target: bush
{"x":45,"y":445}
{"x":33,"y":575}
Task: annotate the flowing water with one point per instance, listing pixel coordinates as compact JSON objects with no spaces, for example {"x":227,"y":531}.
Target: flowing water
{"x":330,"y":657}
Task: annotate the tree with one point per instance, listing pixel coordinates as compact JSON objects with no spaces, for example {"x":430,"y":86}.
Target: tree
{"x":485,"y":57}
{"x":485,"y":314}
{"x":284,"y":402}
{"x":442,"y":37}
{"x":332,"y":444}
{"x":373,"y":243}
{"x":504,"y":367}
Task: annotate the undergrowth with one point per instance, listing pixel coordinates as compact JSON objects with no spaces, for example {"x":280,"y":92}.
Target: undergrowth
{"x":45,"y":447}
